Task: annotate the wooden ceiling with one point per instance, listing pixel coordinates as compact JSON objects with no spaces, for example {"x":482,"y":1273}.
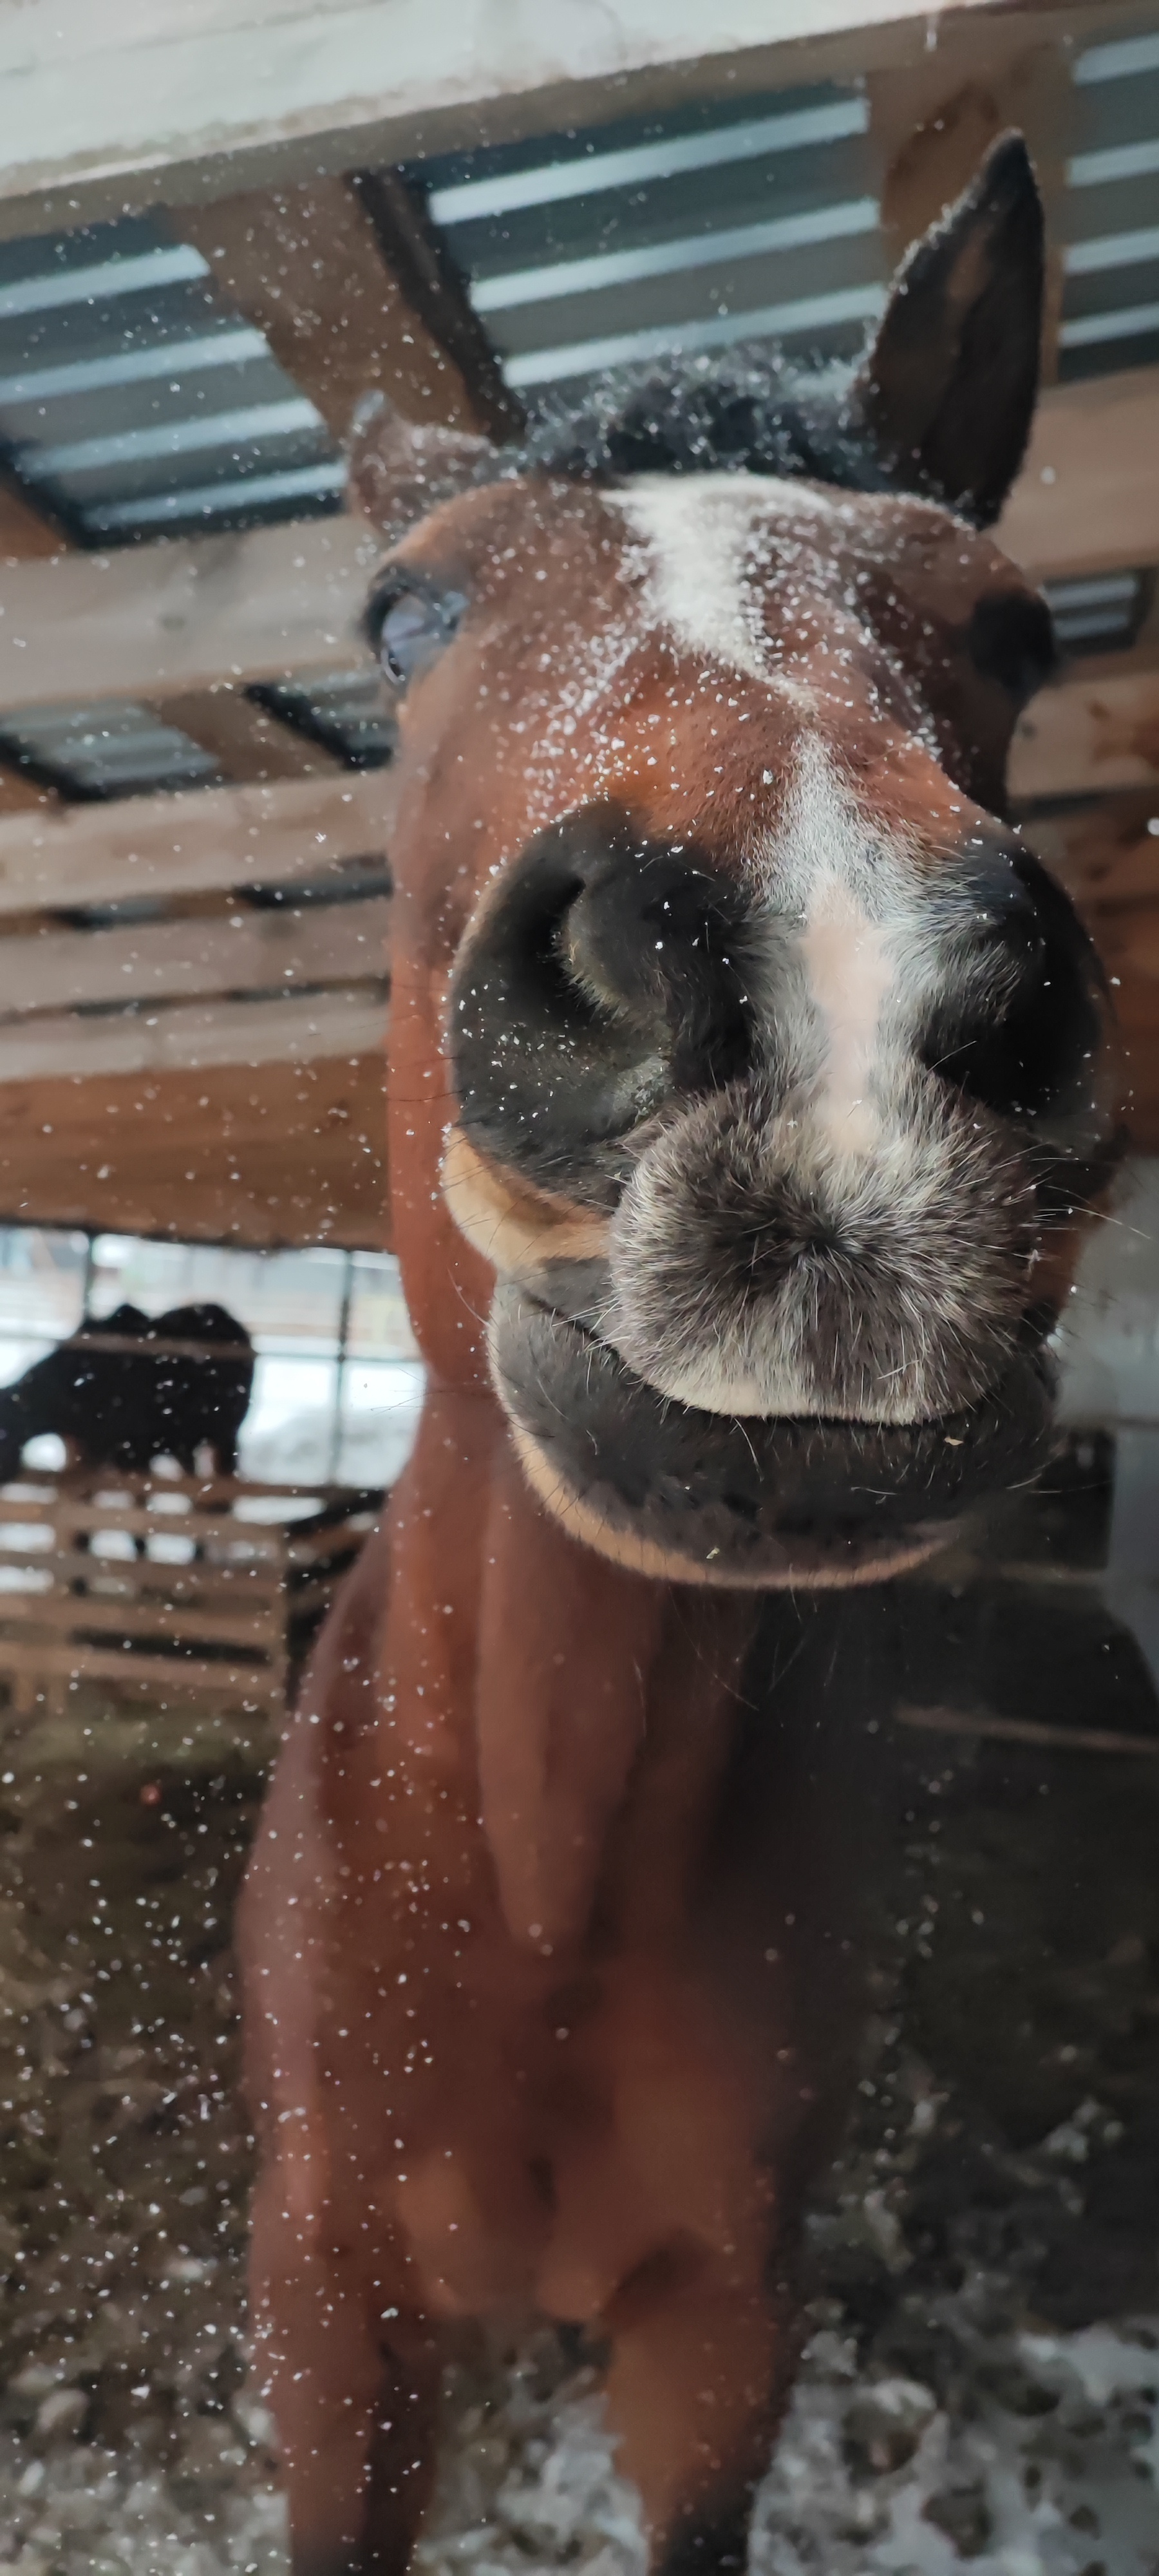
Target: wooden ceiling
{"x":233,"y":1114}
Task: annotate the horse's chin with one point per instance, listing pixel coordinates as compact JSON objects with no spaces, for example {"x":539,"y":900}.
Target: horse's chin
{"x":760,"y":1504}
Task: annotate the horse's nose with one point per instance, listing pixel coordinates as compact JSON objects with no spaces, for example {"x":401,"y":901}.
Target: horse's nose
{"x":757,"y":1266}
{"x":606,"y":975}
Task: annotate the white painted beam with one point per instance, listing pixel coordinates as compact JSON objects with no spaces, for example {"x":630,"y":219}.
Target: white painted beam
{"x":99,"y":90}
{"x":347,"y":1022}
{"x":286,"y":834}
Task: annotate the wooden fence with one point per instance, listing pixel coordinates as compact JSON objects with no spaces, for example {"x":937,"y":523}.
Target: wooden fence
{"x":152,"y":1584}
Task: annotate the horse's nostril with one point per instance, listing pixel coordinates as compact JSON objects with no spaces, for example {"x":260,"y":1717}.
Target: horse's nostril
{"x":603,"y":980}
{"x":1020,"y":1022}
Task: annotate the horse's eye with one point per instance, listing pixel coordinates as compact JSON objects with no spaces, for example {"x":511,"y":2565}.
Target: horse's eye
{"x":412,"y":631}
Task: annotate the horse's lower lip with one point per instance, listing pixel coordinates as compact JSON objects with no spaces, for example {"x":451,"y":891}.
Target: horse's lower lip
{"x":760,"y":1501}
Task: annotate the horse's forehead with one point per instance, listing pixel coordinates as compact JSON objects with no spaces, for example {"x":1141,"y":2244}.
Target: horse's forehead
{"x":718,"y":565}
{"x":774,"y":520}
{"x":708,"y":547}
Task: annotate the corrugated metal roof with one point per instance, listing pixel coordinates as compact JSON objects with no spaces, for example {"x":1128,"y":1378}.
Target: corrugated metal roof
{"x":115,"y":747}
{"x":109,"y":747}
{"x":1110,"y":314}
{"x":136,"y":401}
{"x":727,"y":220}
{"x":760,"y":220}
{"x":342,"y":710}
{"x":1102,"y":612}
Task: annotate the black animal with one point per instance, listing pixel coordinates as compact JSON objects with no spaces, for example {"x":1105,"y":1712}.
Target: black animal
{"x":181,"y":1381}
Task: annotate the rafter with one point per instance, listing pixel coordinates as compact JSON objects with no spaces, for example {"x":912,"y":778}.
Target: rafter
{"x":279,"y":951}
{"x":152,"y":620}
{"x":288,"y":834}
{"x":306,"y":265}
{"x":344,"y":1021}
{"x":277,"y":1154}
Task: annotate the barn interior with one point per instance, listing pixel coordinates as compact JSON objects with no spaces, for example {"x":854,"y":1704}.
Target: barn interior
{"x":218,"y":229}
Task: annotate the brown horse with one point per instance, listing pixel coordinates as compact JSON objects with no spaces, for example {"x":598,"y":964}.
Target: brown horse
{"x":747,"y":1088}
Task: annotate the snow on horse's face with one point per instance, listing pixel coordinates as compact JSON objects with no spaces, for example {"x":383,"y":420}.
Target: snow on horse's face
{"x":775,"y":1060}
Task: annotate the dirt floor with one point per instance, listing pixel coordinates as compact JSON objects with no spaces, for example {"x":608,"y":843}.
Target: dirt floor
{"x":982,"y":2379}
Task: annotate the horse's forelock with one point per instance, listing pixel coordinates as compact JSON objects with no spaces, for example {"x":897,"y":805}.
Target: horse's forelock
{"x":748,"y":411}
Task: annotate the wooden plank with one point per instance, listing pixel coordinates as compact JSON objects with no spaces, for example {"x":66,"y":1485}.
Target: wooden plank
{"x":436,"y":295}
{"x":1088,"y":734}
{"x":248,"y":952}
{"x":201,"y":1493}
{"x":96,"y":95}
{"x":175,"y":1672}
{"x":1022,"y":1730}
{"x":69,"y":1611}
{"x":306,"y":265}
{"x":181,"y":1586}
{"x":213,"y":837}
{"x":68,"y":1513}
{"x":247,"y":742}
{"x":148,"y":621}
{"x":1087,"y":499}
{"x":283,"y":1154}
{"x":26,"y":532}
{"x":350,"y":1019}
{"x":1107,"y":855}
{"x":21,"y":795}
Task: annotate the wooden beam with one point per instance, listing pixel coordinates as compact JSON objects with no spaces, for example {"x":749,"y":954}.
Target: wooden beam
{"x":1107,"y":854}
{"x":1088,"y":735}
{"x":436,"y":295}
{"x":165,"y":961}
{"x":155,"y":620}
{"x":26,"y":533}
{"x":1087,"y":499}
{"x":347,"y":1022}
{"x":275,"y":89}
{"x":213,"y":837}
{"x":248,"y":744}
{"x":306,"y":265}
{"x":20,"y":794}
{"x":286,"y":1154}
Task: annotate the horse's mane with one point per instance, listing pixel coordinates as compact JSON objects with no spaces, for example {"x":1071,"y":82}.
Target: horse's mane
{"x":751,"y":410}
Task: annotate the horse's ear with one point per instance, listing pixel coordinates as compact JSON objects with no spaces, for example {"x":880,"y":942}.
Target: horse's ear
{"x":400,"y":469}
{"x":949,"y":386}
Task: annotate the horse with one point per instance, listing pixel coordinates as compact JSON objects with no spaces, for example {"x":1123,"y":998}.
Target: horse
{"x":750,"y":1087}
{"x":127,"y":1389}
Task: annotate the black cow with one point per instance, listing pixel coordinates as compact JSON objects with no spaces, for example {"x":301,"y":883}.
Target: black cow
{"x":162,"y":1396}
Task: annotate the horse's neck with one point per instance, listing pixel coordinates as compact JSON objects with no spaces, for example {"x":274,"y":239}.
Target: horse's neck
{"x":520,"y":1662}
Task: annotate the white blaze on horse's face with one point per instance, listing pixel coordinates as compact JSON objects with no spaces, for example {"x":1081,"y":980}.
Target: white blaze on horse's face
{"x":846,"y":957}
{"x":699,"y":538}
